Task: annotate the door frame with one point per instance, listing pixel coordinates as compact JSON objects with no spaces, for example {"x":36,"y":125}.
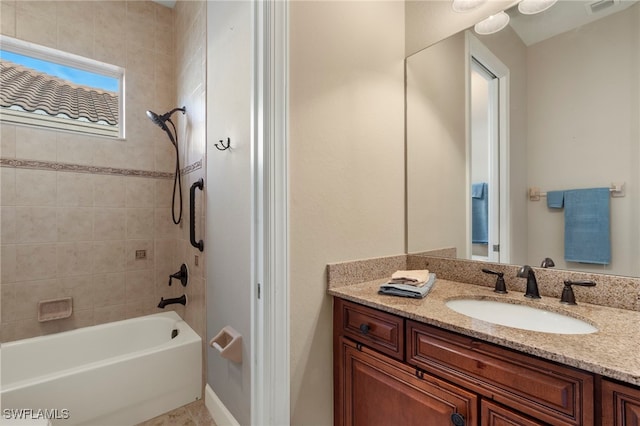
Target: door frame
{"x":270,"y":380}
{"x":475,"y":49}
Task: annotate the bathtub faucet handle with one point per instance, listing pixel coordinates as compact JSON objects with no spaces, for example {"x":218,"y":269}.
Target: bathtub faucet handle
{"x":182,"y":275}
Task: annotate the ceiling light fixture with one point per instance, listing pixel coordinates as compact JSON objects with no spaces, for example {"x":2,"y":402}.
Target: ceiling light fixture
{"x":531,"y":7}
{"x":462,"y":6}
{"x":492,"y":24}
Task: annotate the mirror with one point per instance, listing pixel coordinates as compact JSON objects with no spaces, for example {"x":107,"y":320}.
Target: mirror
{"x":572,"y":96}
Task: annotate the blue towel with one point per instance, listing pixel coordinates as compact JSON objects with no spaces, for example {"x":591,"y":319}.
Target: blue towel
{"x":478,"y":190}
{"x":587,"y":237}
{"x":479,"y":213}
{"x":555,"y":199}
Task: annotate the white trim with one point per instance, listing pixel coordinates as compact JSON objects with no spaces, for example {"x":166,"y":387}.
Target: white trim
{"x":270,"y":386}
{"x":59,"y":57}
{"x":31,"y":119}
{"x":219,"y":413}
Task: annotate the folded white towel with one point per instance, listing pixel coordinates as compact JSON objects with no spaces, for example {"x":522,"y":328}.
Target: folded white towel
{"x":404,"y":290}
{"x":416,"y":277}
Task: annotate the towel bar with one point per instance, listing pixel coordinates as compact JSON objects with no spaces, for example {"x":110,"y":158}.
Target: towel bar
{"x":617,"y":190}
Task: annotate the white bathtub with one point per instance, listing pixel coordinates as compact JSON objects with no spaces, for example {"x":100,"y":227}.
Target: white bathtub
{"x":119,"y":373}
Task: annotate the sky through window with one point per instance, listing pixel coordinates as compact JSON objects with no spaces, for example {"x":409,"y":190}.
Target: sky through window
{"x":74,"y":75}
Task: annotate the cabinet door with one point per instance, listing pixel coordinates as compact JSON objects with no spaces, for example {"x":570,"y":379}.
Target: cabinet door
{"x":379,"y":391}
{"x":496,"y":415}
{"x":620,"y":404}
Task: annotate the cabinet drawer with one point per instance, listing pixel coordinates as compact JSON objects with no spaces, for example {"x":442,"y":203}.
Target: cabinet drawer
{"x":378,"y":330}
{"x":552,"y":393}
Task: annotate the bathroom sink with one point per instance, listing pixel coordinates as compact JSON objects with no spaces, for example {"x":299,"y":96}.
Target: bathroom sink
{"x":520,"y":316}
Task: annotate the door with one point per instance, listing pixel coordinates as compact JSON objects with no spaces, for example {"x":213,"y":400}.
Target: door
{"x":620,"y":404}
{"x":485,"y":179}
{"x":379,"y":391}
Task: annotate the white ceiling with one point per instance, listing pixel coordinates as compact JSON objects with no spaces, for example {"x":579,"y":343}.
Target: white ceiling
{"x":563,"y":16}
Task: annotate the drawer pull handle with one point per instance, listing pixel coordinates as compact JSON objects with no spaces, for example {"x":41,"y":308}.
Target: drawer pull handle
{"x":364,"y":328}
{"x":457,"y":419}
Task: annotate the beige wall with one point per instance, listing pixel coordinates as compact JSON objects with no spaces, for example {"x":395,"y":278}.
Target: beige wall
{"x":346,"y":169}
{"x":574,"y":142}
{"x":508,"y":47}
{"x":75,"y":234}
{"x":437,"y":148}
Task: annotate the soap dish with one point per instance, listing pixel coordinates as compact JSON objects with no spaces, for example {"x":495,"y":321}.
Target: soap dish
{"x":54,"y":309}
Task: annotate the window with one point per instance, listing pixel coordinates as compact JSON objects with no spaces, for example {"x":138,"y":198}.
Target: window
{"x":44,"y":87}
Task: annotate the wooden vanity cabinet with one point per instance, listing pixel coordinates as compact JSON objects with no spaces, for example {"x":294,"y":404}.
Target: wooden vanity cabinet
{"x":547,"y":391}
{"x":377,"y":390}
{"x":620,"y":404}
{"x":381,"y":378}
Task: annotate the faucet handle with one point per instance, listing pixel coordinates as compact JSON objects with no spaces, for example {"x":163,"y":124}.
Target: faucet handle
{"x":568,"y":297}
{"x":547,"y":262}
{"x":501,"y":287}
{"x":182,"y":275}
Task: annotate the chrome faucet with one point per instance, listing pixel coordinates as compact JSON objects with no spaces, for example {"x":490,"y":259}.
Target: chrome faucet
{"x":532,"y":284}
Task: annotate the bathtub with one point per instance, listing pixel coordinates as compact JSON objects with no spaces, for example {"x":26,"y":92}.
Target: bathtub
{"x":120,"y":373}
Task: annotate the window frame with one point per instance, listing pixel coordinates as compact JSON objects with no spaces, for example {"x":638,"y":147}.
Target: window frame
{"x":60,"y":57}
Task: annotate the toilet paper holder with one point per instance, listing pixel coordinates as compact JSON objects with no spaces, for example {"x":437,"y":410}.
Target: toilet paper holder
{"x":229,"y":343}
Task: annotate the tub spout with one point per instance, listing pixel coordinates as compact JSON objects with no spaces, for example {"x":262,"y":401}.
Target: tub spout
{"x":164,"y":302}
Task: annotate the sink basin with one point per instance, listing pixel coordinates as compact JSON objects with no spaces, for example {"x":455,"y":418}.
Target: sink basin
{"x":520,"y":316}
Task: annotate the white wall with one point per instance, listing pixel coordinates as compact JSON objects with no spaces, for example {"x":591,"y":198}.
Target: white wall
{"x":346,"y":127}
{"x":574,"y":142}
{"x":228,"y":193}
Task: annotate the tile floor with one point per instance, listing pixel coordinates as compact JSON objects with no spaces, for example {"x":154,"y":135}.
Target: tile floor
{"x":194,"y":414}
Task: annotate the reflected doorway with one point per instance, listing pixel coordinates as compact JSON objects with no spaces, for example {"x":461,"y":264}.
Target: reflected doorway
{"x":488,"y":135}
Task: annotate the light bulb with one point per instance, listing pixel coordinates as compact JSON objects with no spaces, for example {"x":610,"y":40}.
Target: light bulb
{"x":462,"y":6}
{"x":492,"y":24}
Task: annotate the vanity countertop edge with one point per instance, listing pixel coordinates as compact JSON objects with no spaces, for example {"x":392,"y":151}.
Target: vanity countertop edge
{"x":613,"y":351}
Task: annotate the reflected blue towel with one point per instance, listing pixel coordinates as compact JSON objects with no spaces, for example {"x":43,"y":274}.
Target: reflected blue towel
{"x":479,"y":213}
{"x":555,"y":199}
{"x":587,"y":236}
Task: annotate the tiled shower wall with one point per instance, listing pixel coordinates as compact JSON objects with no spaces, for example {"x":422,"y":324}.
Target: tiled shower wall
{"x":75,"y":234}
{"x":191,"y":92}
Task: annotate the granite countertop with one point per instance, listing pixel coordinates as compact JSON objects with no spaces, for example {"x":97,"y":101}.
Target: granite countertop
{"x":613,"y":351}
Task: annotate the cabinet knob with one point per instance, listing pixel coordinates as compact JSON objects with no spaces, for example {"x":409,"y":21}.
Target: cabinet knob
{"x":364,"y":328}
{"x":457,"y":419}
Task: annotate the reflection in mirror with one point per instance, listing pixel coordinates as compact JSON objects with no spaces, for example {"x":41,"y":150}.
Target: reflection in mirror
{"x":572,"y":123}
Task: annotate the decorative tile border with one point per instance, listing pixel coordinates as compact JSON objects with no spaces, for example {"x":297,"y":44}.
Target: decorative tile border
{"x":97,"y":170}
{"x":191,"y":167}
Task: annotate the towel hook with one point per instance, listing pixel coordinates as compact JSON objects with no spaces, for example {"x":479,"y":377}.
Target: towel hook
{"x":221,"y":145}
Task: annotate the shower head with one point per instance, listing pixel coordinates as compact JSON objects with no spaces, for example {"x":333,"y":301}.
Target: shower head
{"x":160,"y":121}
